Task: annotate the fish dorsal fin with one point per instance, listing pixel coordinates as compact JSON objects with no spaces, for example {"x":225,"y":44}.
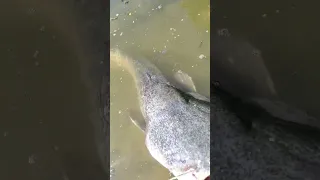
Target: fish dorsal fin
{"x":187,"y":84}
{"x":199,"y":96}
{"x":185,"y":81}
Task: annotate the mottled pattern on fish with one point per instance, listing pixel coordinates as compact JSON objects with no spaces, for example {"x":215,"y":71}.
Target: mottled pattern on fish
{"x":178,"y":126}
{"x":267,"y":152}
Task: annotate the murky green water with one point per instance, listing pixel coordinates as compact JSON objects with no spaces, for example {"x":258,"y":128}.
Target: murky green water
{"x":46,"y":122}
{"x":171,"y":34}
{"x":287,"y":37}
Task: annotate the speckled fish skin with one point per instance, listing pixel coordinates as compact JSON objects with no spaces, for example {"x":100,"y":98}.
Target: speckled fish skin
{"x":267,"y":152}
{"x":178,"y":125}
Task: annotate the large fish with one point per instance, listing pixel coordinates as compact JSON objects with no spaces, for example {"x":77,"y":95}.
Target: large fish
{"x":176,"y":124}
{"x":177,"y":133}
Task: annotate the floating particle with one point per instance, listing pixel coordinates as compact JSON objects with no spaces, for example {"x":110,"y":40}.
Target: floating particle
{"x":277,"y":11}
{"x":115,"y":18}
{"x":202,"y":56}
{"x":117,"y":15}
{"x":42,"y":28}
{"x":35,"y":54}
{"x":132,"y":21}
{"x":56,"y":148}
{"x":5,"y":134}
{"x":114,"y":34}
{"x":198,"y":14}
{"x":129,"y":14}
{"x":207,"y":31}
{"x":31,"y":159}
{"x":31,"y":11}
{"x":181,"y":19}
{"x":173,"y":29}
{"x":121,"y":33}
{"x":65,"y":177}
{"x":264,"y":15}
{"x":36,"y":63}
{"x":160,"y":6}
{"x":224,"y":32}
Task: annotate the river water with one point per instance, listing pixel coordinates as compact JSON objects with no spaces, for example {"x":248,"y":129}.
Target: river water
{"x":286,"y":36}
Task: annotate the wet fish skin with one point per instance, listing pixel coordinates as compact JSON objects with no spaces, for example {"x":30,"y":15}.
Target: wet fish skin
{"x":267,"y":151}
{"x":177,"y":124}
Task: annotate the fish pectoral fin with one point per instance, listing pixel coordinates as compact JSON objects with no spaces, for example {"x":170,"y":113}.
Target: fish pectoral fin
{"x":199,"y":96}
{"x":137,"y":119}
{"x":184,"y":80}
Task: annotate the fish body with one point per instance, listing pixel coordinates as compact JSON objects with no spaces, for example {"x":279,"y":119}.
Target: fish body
{"x":177,"y":124}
